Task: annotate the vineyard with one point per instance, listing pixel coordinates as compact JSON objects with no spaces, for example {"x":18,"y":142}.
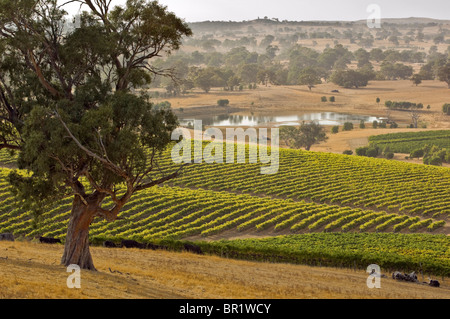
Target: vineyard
{"x":410,"y":141}
{"x":428,"y":253}
{"x":312,"y":193}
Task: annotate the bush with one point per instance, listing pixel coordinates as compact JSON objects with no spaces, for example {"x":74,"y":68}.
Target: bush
{"x":335,"y":129}
{"x":332,"y":99}
{"x":324,"y":99}
{"x":375,"y":124}
{"x":446,"y":109}
{"x":418,"y":153}
{"x":435,"y":160}
{"x":348,"y":126}
{"x":389,"y":155}
{"x":348,"y":152}
{"x":223,"y":102}
{"x":382,"y":125}
{"x":393,"y":125}
{"x":362,"y":125}
{"x":372,"y":152}
{"x":361,"y":151}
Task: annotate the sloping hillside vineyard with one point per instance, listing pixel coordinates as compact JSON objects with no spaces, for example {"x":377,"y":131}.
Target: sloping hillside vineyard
{"x":312,"y":192}
{"x":410,"y":141}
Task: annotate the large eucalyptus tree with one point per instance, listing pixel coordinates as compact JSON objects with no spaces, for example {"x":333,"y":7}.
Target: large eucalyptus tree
{"x":68,"y":105}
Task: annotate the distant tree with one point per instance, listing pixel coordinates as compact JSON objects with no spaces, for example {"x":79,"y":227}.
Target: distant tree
{"x":271,"y":51}
{"x":335,"y":129}
{"x":362,"y":124}
{"x":446,"y":109}
{"x":304,"y":136}
{"x":349,"y":78}
{"x":439,"y":39}
{"x":223,"y":102}
{"x":309,"y":77}
{"x":348,"y":126}
{"x":444,"y":74}
{"x":416,"y":79}
{"x":332,"y":99}
{"x":378,"y":100}
{"x":394,"y":39}
{"x":323,"y":99}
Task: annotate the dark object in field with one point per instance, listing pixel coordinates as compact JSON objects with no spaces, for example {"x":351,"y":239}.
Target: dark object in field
{"x":153,"y":246}
{"x":6,"y":237}
{"x":132,"y":244}
{"x":193,"y":249}
{"x":48,"y":240}
{"x":412,"y":277}
{"x":109,"y":244}
{"x":434,"y":283}
{"x":335,"y":91}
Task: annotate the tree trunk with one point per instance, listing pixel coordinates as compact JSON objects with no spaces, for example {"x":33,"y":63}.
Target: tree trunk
{"x":76,"y":250}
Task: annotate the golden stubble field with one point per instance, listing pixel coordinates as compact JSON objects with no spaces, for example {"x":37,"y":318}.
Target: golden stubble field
{"x":30,"y":270}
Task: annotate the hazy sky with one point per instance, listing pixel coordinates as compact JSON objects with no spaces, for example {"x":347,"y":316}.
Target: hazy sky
{"x":238,"y":10}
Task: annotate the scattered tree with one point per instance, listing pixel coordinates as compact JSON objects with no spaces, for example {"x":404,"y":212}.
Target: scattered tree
{"x":304,"y":136}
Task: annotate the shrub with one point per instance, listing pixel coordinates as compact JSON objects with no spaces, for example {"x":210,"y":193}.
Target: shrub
{"x":348,"y":126}
{"x":446,"y":109}
{"x":223,"y":102}
{"x":332,"y":99}
{"x":389,"y":155}
{"x":375,"y":124}
{"x":418,"y":153}
{"x":323,"y":98}
{"x":335,"y":129}
{"x":435,"y":160}
{"x":362,"y":124}
{"x":393,"y":125}
{"x":361,"y":151}
{"x":348,"y":152}
{"x":382,"y":125}
{"x":372,"y":152}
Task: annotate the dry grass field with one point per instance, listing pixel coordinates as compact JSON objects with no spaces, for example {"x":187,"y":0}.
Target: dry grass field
{"x":30,"y":270}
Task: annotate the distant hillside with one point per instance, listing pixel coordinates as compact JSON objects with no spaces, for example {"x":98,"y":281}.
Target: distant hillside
{"x":275,"y":22}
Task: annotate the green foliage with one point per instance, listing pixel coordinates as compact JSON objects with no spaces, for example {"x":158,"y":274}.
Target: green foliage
{"x":350,"y":78}
{"x":375,"y":124}
{"x":323,"y":99}
{"x":362,"y":124}
{"x":418,"y":153}
{"x":223,"y":102}
{"x":402,"y":105}
{"x":70,"y":97}
{"x":348,"y":152}
{"x":446,"y":108}
{"x":361,"y":151}
{"x":348,"y":126}
{"x":332,"y":99}
{"x":411,"y":141}
{"x":335,"y":129}
{"x":305,"y":136}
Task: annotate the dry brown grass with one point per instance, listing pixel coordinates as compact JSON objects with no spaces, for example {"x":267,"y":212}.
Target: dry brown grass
{"x":33,"y":271}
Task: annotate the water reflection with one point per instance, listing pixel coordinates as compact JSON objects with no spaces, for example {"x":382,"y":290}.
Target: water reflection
{"x":323,"y":118}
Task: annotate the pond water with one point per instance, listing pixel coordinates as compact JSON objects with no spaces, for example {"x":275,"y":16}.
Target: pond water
{"x":323,"y":118}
